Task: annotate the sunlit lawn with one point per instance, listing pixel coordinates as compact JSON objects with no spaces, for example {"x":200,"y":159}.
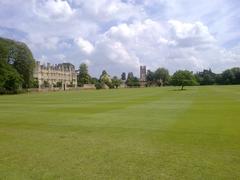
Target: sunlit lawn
{"x":148,"y":133}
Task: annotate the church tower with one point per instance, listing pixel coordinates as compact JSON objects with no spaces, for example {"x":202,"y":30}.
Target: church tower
{"x":143,"y":76}
{"x":143,"y":73}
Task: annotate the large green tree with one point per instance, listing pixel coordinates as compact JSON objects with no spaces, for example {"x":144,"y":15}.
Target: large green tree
{"x":24,"y":64}
{"x":150,"y":78}
{"x":206,"y":77}
{"x":116,"y":82}
{"x":130,"y":76}
{"x":132,"y":81}
{"x":161,"y":76}
{"x":123,"y":76}
{"x":183,"y":78}
{"x":17,"y":64}
{"x":83,"y":76}
{"x":230,"y":76}
{"x":236,"y":72}
{"x":10,"y":80}
{"x":105,"y":78}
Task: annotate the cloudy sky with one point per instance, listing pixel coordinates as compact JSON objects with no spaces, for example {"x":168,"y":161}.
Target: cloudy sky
{"x":120,"y":35}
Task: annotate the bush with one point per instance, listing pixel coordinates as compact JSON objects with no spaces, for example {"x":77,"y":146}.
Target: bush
{"x":35,"y":83}
{"x":46,"y":84}
{"x":99,"y":85}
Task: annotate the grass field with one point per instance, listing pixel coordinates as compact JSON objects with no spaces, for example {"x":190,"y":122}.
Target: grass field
{"x":152,"y":133}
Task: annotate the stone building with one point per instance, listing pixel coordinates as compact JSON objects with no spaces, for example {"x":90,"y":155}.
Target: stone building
{"x":143,"y":73}
{"x":58,"y":75}
{"x":143,"y":76}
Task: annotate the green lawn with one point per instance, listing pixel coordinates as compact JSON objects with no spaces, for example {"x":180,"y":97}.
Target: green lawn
{"x":151,"y":133}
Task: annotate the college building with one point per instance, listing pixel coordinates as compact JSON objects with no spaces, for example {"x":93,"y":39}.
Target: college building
{"x":55,"y":76}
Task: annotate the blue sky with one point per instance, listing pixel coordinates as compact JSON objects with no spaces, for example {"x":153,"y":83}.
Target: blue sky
{"x":121,"y":35}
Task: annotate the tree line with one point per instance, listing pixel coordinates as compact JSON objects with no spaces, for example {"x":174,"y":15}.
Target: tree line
{"x":105,"y":80}
{"x":161,"y":77}
{"x":17,"y":66}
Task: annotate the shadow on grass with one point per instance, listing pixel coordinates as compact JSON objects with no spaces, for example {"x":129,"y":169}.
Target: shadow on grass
{"x":178,"y":90}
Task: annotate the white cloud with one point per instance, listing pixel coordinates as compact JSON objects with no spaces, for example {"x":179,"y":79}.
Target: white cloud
{"x":105,"y":10}
{"x":173,"y":44}
{"x":119,"y":35}
{"x":53,"y":9}
{"x":84,"y":45}
{"x":191,"y":34}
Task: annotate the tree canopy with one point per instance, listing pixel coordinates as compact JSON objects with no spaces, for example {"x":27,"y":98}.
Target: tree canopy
{"x":183,"y":78}
{"x":206,"y":77}
{"x":123,"y":76}
{"x":116,"y":82}
{"x":106,"y":79}
{"x":83,"y":76}
{"x":10,"y":80}
{"x":150,"y":78}
{"x":16,"y":65}
{"x":132,"y":81}
{"x":161,"y":76}
{"x":230,"y":76}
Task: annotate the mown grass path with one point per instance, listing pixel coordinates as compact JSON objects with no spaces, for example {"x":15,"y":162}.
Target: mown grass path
{"x":152,"y":133}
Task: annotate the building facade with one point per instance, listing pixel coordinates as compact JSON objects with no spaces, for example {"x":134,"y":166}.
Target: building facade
{"x":58,"y":75}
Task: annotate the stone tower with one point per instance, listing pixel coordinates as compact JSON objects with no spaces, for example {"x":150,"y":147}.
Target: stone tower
{"x":143,"y":73}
